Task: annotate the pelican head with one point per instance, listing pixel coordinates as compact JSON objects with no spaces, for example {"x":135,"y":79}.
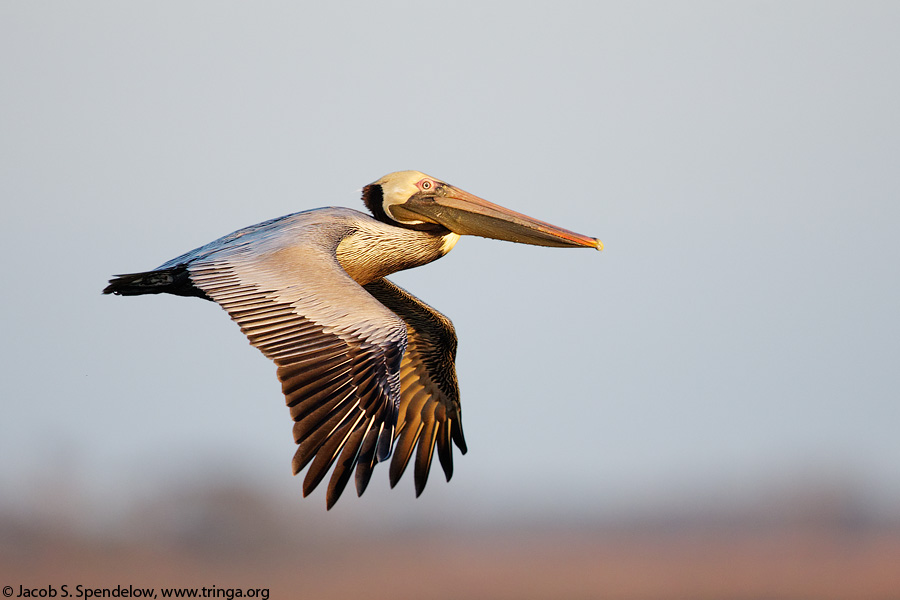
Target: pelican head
{"x":417,"y":201}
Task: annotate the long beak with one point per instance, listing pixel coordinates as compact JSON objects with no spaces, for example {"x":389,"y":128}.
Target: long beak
{"x":465,"y":214}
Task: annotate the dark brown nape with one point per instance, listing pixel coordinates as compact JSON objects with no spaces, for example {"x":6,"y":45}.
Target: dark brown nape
{"x":373,"y":198}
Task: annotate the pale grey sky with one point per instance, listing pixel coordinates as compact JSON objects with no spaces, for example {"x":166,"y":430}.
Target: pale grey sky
{"x":738,"y":160}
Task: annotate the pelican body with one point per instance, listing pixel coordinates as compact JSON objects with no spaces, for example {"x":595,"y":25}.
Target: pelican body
{"x":367,"y":369}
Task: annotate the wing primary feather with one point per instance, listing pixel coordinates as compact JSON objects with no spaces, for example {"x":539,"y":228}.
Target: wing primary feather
{"x":325,"y":457}
{"x":343,"y":469}
{"x":309,"y":445}
{"x":402,"y":453}
{"x":366,"y":463}
{"x":424,"y":454}
{"x":299,"y":388}
{"x":304,"y":404}
{"x":457,"y":434}
{"x":325,"y":417}
{"x":385,"y":443}
{"x":444,"y":449}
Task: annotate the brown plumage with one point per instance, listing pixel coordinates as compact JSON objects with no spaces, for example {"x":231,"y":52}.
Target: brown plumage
{"x":366,"y":368}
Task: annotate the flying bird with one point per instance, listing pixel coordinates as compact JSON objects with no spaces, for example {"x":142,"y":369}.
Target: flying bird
{"x":366,"y":368}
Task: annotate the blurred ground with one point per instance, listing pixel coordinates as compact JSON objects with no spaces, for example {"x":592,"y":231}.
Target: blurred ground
{"x":797,"y":544}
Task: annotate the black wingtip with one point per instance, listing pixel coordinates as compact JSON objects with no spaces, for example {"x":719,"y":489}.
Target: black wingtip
{"x":362,"y":481}
{"x":176,"y":280}
{"x":110,"y":289}
{"x":366,"y":462}
{"x":459,"y":437}
{"x":385,"y":444}
{"x":124,"y":284}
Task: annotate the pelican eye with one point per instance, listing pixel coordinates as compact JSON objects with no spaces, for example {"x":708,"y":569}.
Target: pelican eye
{"x":426,"y":184}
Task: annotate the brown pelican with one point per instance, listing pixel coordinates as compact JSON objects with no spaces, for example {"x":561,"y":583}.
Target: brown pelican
{"x":366,"y":368}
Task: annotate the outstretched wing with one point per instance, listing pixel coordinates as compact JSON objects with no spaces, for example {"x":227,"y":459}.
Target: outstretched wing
{"x":361,"y":369}
{"x":429,"y":414}
{"x":337,"y":348}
